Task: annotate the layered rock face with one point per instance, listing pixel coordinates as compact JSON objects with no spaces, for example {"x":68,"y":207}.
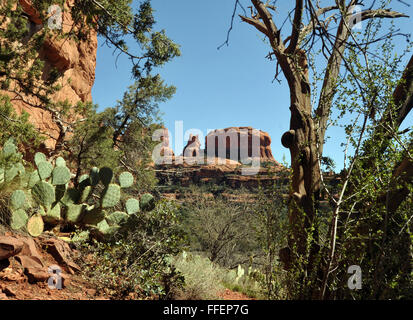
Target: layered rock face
{"x":166,"y":150}
{"x":238,"y":143}
{"x":75,"y":60}
{"x":193,"y":147}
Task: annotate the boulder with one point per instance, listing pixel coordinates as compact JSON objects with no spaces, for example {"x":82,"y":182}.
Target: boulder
{"x":9,"y":247}
{"x":61,"y":252}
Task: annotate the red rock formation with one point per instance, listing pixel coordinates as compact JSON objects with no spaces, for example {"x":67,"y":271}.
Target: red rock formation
{"x":166,"y":150}
{"x":193,"y":147}
{"x":239,"y":141}
{"x":75,"y":60}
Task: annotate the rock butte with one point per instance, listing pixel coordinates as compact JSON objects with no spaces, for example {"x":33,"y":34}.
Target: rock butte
{"x":240,"y":141}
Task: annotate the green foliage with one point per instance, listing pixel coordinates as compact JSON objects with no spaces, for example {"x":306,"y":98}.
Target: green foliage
{"x":117,"y":218}
{"x":18,"y":219}
{"x":203,"y":278}
{"x":45,"y":169}
{"x":374,"y":219}
{"x":147,"y":202}
{"x":139,"y":261}
{"x":220,"y":229}
{"x":105,"y":176}
{"x":111,"y":197}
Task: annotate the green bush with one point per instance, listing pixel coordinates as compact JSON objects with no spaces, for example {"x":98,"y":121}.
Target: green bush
{"x":203,"y":278}
{"x":139,"y":262}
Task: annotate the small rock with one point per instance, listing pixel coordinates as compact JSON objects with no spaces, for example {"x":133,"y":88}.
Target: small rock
{"x":91,"y":292}
{"x":30,"y":248}
{"x":9,"y":247}
{"x":9,"y":292}
{"x":61,"y":251}
{"x":3,"y":297}
{"x":37,"y":275}
{"x":29,"y":262}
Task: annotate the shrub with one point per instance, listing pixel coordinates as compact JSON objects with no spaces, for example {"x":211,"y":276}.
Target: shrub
{"x":203,"y":278}
{"x":139,"y":262}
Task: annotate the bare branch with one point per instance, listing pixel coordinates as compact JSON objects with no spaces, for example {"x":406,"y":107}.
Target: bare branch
{"x":295,"y":33}
{"x":257,"y":24}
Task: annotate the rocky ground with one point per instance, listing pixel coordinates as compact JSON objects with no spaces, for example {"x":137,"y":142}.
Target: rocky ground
{"x":26,"y":271}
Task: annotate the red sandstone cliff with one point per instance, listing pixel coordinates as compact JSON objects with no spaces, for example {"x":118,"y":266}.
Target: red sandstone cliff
{"x":75,"y":60}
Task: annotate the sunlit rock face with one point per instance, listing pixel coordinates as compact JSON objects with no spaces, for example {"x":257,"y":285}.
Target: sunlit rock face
{"x":239,"y":143}
{"x":76,"y":60}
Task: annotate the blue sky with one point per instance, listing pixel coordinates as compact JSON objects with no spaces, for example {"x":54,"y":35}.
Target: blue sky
{"x":216,"y":88}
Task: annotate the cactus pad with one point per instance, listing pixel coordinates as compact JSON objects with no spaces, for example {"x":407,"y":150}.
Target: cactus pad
{"x":132,"y":206}
{"x":35,"y":225}
{"x":94,"y":176}
{"x":9,"y":148}
{"x":45,"y":169}
{"x":39,"y":157}
{"x":53,"y":214}
{"x":43,"y":193}
{"x":117,"y":218}
{"x":60,"y":162}
{"x":85,"y":194}
{"x":126,"y":180}
{"x":60,"y":176}
{"x":105,"y":176}
{"x":147,"y":202}
{"x":18,"y":219}
{"x":74,"y":212}
{"x":71,"y":196}
{"x":18,"y":199}
{"x":11,"y":173}
{"x":33,"y":179}
{"x":111,"y":196}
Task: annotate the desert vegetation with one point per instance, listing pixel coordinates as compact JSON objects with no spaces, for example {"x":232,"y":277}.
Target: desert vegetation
{"x":137,"y":230}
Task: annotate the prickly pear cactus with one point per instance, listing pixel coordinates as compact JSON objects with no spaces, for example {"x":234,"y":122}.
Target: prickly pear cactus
{"x":44,"y":193}
{"x":94,"y":176}
{"x":35,"y":225}
{"x":106,"y":176}
{"x":18,"y":219}
{"x":18,"y":199}
{"x":45,"y":170}
{"x":117,"y":218}
{"x":74,"y":212}
{"x":111,"y":196}
{"x":147,"y":202}
{"x":132,"y":206}
{"x":60,"y":162}
{"x":126,"y":180}
{"x":44,"y":196}
{"x":39,"y":157}
{"x":60,"y":175}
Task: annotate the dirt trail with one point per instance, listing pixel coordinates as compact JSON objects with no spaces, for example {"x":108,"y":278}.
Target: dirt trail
{"x":232,"y":295}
